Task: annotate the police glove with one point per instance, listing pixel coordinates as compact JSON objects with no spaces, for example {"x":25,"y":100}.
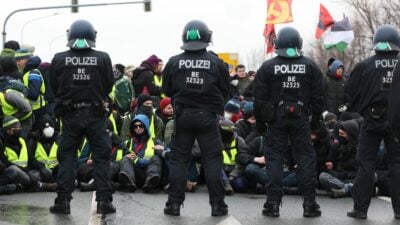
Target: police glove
{"x":342,"y":108}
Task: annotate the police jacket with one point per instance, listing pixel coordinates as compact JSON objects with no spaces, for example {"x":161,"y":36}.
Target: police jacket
{"x":394,"y":103}
{"x":370,"y":83}
{"x":197,"y":79}
{"x":282,"y":79}
{"x":81,"y":75}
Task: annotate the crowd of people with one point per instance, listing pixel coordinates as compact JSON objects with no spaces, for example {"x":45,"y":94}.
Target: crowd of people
{"x":141,"y":124}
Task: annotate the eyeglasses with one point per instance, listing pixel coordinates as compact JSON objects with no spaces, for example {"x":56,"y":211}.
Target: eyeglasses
{"x":135,"y":126}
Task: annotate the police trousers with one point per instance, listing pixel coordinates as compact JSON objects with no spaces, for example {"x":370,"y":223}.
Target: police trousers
{"x":370,"y":138}
{"x":202,"y":125}
{"x":297,"y":130}
{"x":76,"y":125}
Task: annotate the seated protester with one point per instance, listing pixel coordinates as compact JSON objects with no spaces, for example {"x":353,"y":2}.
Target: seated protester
{"x":145,"y":165}
{"x":246,"y":127}
{"x":85,"y":168}
{"x":338,"y":179}
{"x":232,"y":110}
{"x":232,"y":173}
{"x":16,"y":157}
{"x":323,"y":146}
{"x":118,"y":151}
{"x":7,"y":180}
{"x":330,"y":119}
{"x":145,"y":107}
{"x":166,"y":114}
{"x":253,"y":160}
{"x":113,"y":116}
{"x":43,"y":146}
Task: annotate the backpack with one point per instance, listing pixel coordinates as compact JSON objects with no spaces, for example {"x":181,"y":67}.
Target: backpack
{"x":124,"y":93}
{"x":8,"y":83}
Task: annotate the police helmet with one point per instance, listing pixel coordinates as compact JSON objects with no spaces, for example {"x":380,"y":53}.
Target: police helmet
{"x":386,"y":38}
{"x":81,"y":35}
{"x":288,"y":43}
{"x":196,"y":36}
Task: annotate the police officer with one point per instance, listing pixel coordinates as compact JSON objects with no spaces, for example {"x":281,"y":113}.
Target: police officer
{"x":369,"y":88}
{"x":287,"y":90}
{"x":394,"y":103}
{"x":81,"y":78}
{"x":198,"y":83}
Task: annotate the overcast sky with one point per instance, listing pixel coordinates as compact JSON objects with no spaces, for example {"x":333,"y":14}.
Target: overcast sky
{"x":130,"y":35}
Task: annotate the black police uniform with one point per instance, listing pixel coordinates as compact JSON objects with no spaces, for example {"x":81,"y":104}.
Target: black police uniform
{"x":287,"y":90}
{"x":369,"y":87}
{"x":198,"y":83}
{"x":394,"y":103}
{"x":81,"y":79}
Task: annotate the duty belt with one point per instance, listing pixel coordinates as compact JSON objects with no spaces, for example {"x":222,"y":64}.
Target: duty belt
{"x":81,"y":105}
{"x":298,"y":102}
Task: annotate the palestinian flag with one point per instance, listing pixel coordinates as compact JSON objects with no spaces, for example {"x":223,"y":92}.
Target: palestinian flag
{"x":339,"y":36}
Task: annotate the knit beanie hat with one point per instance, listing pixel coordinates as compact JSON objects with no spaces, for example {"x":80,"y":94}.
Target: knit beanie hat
{"x":10,"y":121}
{"x":14,"y":45}
{"x":233,"y":106}
{"x":227,"y":125}
{"x":45,"y":121}
{"x":248,"y":110}
{"x":8,"y":63}
{"x":142,"y":98}
{"x":22,"y":54}
{"x":28,"y":47}
{"x":120,"y":68}
{"x":164,"y":103}
{"x":330,"y":116}
{"x":153,"y":61}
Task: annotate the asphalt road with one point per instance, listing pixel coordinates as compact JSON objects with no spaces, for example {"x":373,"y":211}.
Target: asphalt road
{"x":141,"y":208}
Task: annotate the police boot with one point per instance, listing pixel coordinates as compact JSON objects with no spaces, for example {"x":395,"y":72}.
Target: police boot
{"x":271,"y":209}
{"x":357,"y":214}
{"x":61,"y":206}
{"x":8,"y":189}
{"x":311,"y":208}
{"x":172,"y":209}
{"x":151,"y":183}
{"x":105,"y":207}
{"x":219,"y":209}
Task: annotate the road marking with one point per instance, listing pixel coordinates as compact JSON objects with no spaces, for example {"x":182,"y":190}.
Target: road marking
{"x":94,"y":218}
{"x":231,"y":220}
{"x":385,"y":198}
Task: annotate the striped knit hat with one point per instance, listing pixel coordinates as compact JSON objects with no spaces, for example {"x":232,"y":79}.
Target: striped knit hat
{"x":10,"y":121}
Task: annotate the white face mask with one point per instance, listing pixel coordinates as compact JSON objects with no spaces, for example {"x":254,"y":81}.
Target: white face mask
{"x":48,"y":132}
{"x":228,"y":116}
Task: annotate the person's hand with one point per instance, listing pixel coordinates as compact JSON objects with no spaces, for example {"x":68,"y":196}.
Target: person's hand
{"x":329,"y":165}
{"x":158,"y":147}
{"x":89,"y":162}
{"x":131,"y":155}
{"x":342,"y":108}
{"x":260,"y":160}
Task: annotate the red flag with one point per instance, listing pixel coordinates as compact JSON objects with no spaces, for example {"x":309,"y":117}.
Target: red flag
{"x":269,"y":34}
{"x":279,"y":11}
{"x":325,"y":21}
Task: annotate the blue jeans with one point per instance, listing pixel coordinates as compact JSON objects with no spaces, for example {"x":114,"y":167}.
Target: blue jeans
{"x":256,"y":174}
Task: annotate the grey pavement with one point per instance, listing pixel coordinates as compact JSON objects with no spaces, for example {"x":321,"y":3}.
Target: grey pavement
{"x":141,"y":208}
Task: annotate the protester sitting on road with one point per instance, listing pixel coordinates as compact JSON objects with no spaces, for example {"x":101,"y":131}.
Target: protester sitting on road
{"x":246,"y":127}
{"x":146,"y":165}
{"x":16,"y":157}
{"x":44,"y":147}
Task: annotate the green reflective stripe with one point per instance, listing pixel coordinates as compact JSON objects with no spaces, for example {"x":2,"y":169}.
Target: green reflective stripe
{"x":149,"y":152}
{"x":119,"y":155}
{"x":12,"y":156}
{"x":50,"y":161}
{"x":10,"y":122}
{"x":7,"y":109}
{"x":157,"y":81}
{"x":230,"y":161}
{"x":112,"y":119}
{"x":152,"y":133}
